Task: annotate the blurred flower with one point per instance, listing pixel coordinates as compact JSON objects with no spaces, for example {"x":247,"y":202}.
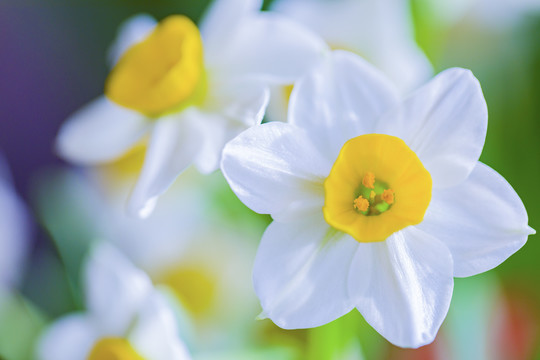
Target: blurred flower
{"x":126,"y":317}
{"x":183,"y":105}
{"x":14,"y":231}
{"x":190,"y":243}
{"x":379,"y":31}
{"x":376,"y":205}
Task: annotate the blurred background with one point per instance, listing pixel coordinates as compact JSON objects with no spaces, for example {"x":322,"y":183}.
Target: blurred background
{"x":53,"y":61}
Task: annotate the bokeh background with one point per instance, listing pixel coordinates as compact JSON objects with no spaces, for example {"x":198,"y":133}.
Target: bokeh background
{"x":53,"y":61}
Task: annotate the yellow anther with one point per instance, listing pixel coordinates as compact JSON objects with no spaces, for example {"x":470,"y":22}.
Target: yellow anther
{"x":361,"y":204}
{"x":388,"y":196}
{"x":369,"y":180}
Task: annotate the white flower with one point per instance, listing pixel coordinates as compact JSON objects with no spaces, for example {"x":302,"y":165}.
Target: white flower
{"x":186,"y":244}
{"x":186,"y":93}
{"x":126,"y":317}
{"x":14,"y":231}
{"x":380,"y":31}
{"x":377,"y":204}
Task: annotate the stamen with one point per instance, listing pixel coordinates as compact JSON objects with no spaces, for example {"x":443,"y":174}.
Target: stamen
{"x":388,"y":196}
{"x":369,"y":180}
{"x":361,"y":204}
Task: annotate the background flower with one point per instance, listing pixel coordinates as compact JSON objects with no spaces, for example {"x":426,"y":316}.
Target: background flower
{"x":126,"y":317}
{"x":217,"y":87}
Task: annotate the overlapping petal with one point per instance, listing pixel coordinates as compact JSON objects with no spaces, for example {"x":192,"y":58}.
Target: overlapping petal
{"x":76,"y":335}
{"x":272,"y":48}
{"x":234,"y":106}
{"x":132,"y":31}
{"x":272,"y":166}
{"x":100,"y":132}
{"x":155,"y":335}
{"x":115,"y":289}
{"x":482,"y":221}
{"x":380,"y":31}
{"x":403,"y":286}
{"x":300,"y":273}
{"x":444,"y":123}
{"x":173,"y":146}
{"x":340,"y":99}
{"x":220,"y":24}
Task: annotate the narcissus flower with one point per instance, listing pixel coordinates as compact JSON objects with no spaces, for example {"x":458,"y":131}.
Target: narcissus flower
{"x":184,"y":94}
{"x":377,"y":203}
{"x":126,"y":317}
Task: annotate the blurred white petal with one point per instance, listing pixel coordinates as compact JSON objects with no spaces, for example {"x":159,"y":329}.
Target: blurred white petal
{"x":220,"y":24}
{"x":234,"y":106}
{"x":132,"y":31}
{"x":380,"y":31}
{"x":155,"y":336}
{"x":100,"y":132}
{"x":270,"y":47}
{"x":115,"y":289}
{"x":69,"y":338}
{"x":173,"y":146}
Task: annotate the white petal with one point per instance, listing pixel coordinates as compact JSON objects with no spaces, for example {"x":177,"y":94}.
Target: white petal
{"x":444,"y":123}
{"x":272,"y":48}
{"x":115,"y":289}
{"x":14,"y":232}
{"x":272,"y":166}
{"x":155,"y":335}
{"x":69,"y":338}
{"x":300,"y":273}
{"x":220,"y":24}
{"x":380,"y":31}
{"x":99,"y":132}
{"x":403,"y":286}
{"x":132,"y":31}
{"x":233,"y":106}
{"x":173,"y":146}
{"x":340,"y":99}
{"x":482,"y":221}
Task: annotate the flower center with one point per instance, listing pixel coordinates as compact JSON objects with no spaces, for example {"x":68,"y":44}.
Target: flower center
{"x":162,"y":73}
{"x":377,"y":186}
{"x":112,"y":348}
{"x":374,"y":196}
{"x":195,"y":286}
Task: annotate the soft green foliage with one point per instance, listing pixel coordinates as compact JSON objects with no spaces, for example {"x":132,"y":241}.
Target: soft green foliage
{"x":20,"y":324}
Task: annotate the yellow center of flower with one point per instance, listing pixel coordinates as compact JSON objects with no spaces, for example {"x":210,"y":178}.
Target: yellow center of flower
{"x":112,"y":348}
{"x":377,"y":186}
{"x":162,"y":73}
{"x":194,"y":285}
